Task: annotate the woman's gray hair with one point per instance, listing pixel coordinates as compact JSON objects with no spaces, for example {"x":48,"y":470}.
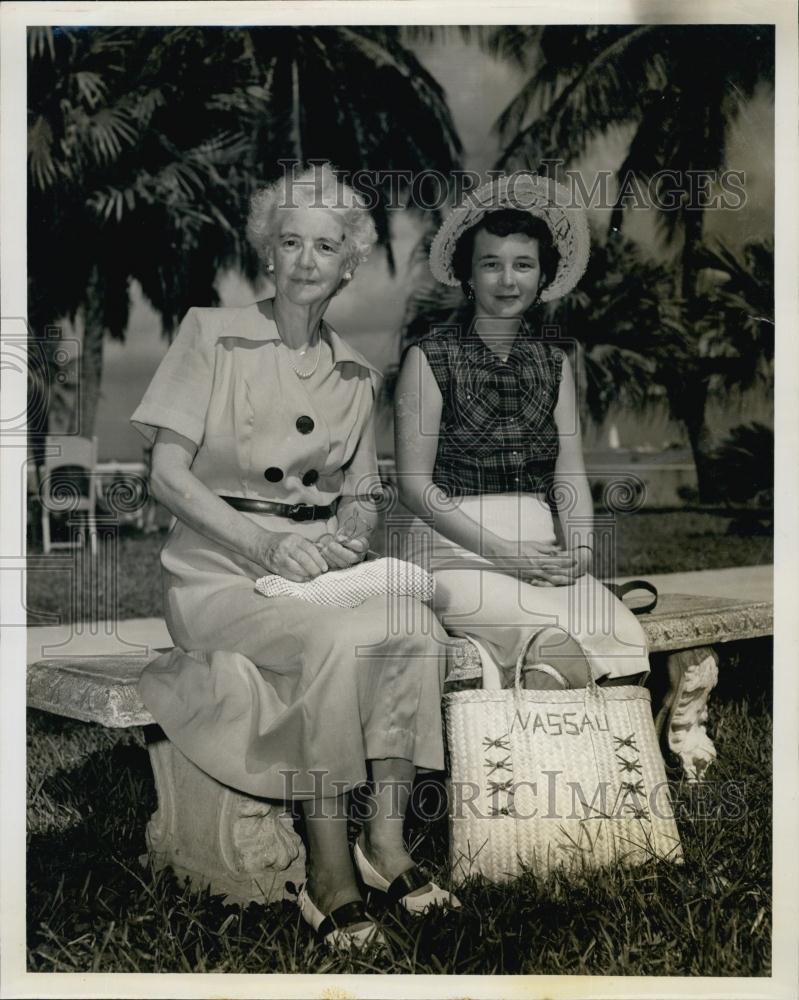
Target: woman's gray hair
{"x":318,"y":187}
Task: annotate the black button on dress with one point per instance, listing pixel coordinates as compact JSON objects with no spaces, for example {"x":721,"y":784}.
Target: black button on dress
{"x":305,"y":424}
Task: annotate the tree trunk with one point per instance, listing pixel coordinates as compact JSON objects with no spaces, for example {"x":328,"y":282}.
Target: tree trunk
{"x":688,"y":404}
{"x":692,"y":226}
{"x":91,"y":369}
{"x":296,"y":112}
{"x":692,"y":402}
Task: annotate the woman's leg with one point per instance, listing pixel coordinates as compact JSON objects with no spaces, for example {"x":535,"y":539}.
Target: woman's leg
{"x":383,"y":841}
{"x":331,"y":877}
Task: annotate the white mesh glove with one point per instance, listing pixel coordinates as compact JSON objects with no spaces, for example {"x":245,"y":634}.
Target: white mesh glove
{"x":347,"y":588}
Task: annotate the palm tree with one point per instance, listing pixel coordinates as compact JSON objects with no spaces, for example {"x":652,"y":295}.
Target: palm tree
{"x":680,"y":88}
{"x":144,"y":145}
{"x":110,"y":191}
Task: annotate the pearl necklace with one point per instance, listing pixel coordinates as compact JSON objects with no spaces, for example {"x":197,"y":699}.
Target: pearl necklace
{"x":306,"y":374}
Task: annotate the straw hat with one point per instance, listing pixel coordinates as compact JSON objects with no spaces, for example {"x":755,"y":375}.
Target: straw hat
{"x":542,"y":198}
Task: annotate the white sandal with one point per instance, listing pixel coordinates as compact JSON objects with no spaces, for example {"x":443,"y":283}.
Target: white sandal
{"x":332,"y":929}
{"x":398,"y":890}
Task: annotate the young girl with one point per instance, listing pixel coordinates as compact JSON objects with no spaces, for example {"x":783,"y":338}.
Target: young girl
{"x":487,"y":433}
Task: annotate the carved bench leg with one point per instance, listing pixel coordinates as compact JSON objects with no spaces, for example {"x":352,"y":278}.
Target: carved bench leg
{"x":681,"y":721}
{"x":214,"y":837}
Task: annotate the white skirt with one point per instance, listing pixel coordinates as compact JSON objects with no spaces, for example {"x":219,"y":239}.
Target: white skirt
{"x":503,"y":615}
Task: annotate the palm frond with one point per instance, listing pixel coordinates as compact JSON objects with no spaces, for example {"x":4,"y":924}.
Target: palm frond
{"x":516,"y":43}
{"x":109,"y":129}
{"x":605,"y":92}
{"x":91,"y":87}
{"x":40,"y":158}
{"x":40,"y":40}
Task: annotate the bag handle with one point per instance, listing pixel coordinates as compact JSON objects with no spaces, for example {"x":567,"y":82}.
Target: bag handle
{"x":591,"y":686}
{"x":620,"y":590}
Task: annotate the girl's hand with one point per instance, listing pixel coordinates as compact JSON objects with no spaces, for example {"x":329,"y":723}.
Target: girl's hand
{"x":559,"y":570}
{"x":342,"y":552}
{"x":291,"y":556}
{"x":537,"y":563}
{"x":585,"y":559}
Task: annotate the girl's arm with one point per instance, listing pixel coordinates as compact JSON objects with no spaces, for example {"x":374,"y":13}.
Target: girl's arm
{"x":175,"y":486}
{"x":417,"y":425}
{"x":576,"y":513}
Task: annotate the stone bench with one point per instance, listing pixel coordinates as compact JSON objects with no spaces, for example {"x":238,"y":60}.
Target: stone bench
{"x":246,"y":849}
{"x":685,"y":628}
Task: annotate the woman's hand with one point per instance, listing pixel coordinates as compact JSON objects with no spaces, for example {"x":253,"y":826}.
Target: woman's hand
{"x":340,"y":551}
{"x":291,"y":556}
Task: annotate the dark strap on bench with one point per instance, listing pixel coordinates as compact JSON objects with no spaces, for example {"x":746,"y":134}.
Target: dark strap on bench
{"x":407,"y":882}
{"x":621,"y":590}
{"x":343,"y":916}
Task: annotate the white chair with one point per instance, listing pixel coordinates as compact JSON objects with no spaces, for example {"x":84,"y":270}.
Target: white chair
{"x":76,"y":457}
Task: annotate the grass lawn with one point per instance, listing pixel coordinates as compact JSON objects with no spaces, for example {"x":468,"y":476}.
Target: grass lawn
{"x":129,"y":585}
{"x":92,"y":907}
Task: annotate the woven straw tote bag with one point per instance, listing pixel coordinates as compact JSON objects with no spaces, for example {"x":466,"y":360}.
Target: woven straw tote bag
{"x":555,"y":779}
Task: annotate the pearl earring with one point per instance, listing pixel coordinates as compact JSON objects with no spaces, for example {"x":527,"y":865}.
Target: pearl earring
{"x":270,"y":267}
{"x":347,"y":275}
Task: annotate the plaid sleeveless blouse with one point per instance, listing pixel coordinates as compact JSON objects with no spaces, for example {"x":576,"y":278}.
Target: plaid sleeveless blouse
{"x":498,"y":432}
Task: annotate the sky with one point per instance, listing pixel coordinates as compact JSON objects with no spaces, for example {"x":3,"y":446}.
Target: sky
{"x":369,"y":312}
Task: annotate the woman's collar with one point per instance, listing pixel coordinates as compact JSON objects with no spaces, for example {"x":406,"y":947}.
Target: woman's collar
{"x":263,"y":327}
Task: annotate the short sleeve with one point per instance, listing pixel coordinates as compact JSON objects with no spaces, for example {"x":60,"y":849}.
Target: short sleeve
{"x":361,"y":474}
{"x":436,"y":351}
{"x":178,"y":395}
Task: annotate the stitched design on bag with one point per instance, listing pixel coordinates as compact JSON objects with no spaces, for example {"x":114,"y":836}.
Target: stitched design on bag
{"x":501,"y":743}
{"x":495,"y":787}
{"x":634,"y":789}
{"x":629,"y":765}
{"x":498,"y":765}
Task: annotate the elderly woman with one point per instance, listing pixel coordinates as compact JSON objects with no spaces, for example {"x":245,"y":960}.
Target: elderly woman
{"x":262,"y":419}
{"x":488,"y":431}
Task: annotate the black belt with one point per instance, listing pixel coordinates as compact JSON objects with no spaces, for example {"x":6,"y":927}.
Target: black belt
{"x":293,"y":511}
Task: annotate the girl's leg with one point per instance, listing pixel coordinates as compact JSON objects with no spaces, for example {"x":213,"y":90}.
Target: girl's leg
{"x":503,"y":614}
{"x":563,"y":655}
{"x":635,"y":679}
{"x":568,"y":666}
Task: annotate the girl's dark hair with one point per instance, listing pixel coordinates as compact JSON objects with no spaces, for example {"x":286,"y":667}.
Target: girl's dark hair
{"x":507,"y":222}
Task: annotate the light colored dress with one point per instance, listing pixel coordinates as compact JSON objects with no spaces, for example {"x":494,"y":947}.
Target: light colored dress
{"x":503,"y":615}
{"x":279,"y":697}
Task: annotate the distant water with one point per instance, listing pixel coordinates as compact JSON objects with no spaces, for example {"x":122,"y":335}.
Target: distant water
{"x":368,"y":320}
{"x":129,"y":368}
